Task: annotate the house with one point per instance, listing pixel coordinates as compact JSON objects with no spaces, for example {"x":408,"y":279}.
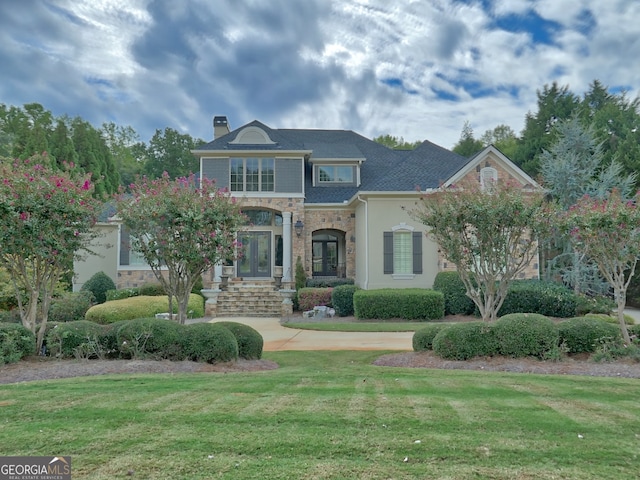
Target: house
{"x":332,"y":198}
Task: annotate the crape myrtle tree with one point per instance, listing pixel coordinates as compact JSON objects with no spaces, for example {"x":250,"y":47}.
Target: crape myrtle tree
{"x":46,"y":219}
{"x":182,"y":226}
{"x":608,"y":232}
{"x":490,"y":236}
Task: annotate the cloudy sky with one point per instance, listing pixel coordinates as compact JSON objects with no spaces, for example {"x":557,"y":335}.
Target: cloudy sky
{"x":412,"y":68}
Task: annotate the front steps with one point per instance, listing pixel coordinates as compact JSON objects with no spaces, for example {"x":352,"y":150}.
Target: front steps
{"x":248,"y":299}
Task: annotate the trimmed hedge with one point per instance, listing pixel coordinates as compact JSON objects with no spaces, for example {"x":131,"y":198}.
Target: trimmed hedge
{"x":122,"y":293}
{"x":209,"y":342}
{"x":71,"y":307}
{"x":79,"y":339}
{"x":535,"y":296}
{"x":151,"y":289}
{"x":342,"y":299}
{"x":596,"y":305}
{"x":151,"y":337}
{"x":98,"y":284}
{"x":407,"y":303}
{"x":313,"y":297}
{"x":16,"y":342}
{"x":456,"y":301}
{"x":462,"y":341}
{"x":581,"y":334}
{"x":139,"y":307}
{"x":250,"y":342}
{"x":525,"y":335}
{"x":423,"y":338}
{"x":328,"y":282}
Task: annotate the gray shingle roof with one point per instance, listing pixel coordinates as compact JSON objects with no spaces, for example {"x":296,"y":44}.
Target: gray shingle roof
{"x":383,"y":169}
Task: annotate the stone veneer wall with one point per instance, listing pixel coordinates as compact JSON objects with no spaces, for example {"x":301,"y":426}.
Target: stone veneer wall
{"x":134,"y":278}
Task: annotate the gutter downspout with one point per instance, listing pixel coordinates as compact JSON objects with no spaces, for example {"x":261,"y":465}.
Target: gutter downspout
{"x":365,"y":285}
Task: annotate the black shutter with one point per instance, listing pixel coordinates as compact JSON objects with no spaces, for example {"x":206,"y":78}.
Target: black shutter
{"x":417,"y":252}
{"x":388,"y":252}
{"x":125,"y":245}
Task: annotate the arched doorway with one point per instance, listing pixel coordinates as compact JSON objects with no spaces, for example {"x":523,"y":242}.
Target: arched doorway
{"x":327,"y":250}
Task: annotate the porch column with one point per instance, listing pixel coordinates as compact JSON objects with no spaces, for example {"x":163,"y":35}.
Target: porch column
{"x":286,"y":247}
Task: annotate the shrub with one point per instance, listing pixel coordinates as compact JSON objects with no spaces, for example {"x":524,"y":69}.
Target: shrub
{"x":71,"y":307}
{"x":98,"y":284}
{"x":582,"y":334}
{"x":628,"y":319}
{"x":122,"y":293}
{"x":16,"y":342}
{"x":462,"y":341}
{"x":301,"y":275}
{"x":109,"y":339}
{"x":423,"y":338}
{"x":151,"y":289}
{"x":209,"y":342}
{"x":456,"y":301}
{"x":328,"y":282}
{"x":313,"y":297}
{"x":526,"y":335}
{"x":405,"y":303}
{"x":10,"y":316}
{"x":342,"y":299}
{"x":139,"y":307}
{"x":599,"y":304}
{"x":535,"y":296}
{"x":79,"y":339}
{"x":250,"y":342}
{"x":634,"y":331}
{"x":151,"y":337}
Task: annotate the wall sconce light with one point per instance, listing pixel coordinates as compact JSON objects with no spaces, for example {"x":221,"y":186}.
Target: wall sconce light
{"x":298,"y":227}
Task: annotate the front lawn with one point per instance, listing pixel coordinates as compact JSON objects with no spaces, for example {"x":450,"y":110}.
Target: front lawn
{"x":329,"y":415}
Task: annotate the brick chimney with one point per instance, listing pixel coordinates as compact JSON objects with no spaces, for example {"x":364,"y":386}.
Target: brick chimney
{"x":220,"y":126}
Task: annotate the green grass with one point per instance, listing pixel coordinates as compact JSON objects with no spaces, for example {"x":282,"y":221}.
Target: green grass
{"x":360,"y":326}
{"x":329,"y":415}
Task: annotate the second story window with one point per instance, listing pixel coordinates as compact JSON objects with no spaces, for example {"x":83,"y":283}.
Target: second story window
{"x":335,"y":174}
{"x":252,"y":175}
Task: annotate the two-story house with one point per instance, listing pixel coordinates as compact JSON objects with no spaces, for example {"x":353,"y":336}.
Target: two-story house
{"x":333,"y":198}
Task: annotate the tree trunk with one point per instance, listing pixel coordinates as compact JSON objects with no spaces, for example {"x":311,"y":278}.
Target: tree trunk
{"x":621,"y":298}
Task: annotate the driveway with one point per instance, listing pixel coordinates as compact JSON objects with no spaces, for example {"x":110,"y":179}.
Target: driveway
{"x":279,"y":338}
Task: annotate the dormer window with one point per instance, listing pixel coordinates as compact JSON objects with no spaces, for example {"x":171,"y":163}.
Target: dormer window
{"x":335,"y":174}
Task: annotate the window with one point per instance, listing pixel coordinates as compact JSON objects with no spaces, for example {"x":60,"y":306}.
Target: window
{"x":402,"y":252}
{"x":262,"y":218}
{"x":335,"y":174}
{"x":488,"y":178}
{"x":252,"y":175}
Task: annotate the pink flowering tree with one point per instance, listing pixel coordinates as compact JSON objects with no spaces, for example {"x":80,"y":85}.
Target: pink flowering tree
{"x":490,"y":236}
{"x":46,"y":219}
{"x":182,"y":226}
{"x":607,"y":231}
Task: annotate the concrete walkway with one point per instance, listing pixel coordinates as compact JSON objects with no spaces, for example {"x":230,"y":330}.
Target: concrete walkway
{"x":279,"y":338}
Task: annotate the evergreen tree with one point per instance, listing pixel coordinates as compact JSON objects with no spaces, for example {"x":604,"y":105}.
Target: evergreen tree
{"x":467,"y":146}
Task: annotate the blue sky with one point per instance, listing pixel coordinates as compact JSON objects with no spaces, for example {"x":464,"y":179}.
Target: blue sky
{"x":416,"y":69}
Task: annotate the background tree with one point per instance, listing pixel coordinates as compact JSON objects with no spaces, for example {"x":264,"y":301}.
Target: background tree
{"x":573,"y":167}
{"x":181,"y":226}
{"x":127,"y":151}
{"x":467,"y":145}
{"x":490,"y":237}
{"x":170,"y":151}
{"x":396,"y":143}
{"x":46,"y":219}
{"x":608,"y":232}
{"x":503,"y":138}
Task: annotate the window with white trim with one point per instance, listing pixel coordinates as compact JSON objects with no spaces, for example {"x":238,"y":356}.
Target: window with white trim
{"x":335,"y":174}
{"x":252,"y":175}
{"x":488,"y":178}
{"x":402,"y":251}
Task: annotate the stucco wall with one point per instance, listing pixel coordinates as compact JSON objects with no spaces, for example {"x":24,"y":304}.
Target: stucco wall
{"x":105,"y":260}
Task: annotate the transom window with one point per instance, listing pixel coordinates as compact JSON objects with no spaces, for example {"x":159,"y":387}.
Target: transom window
{"x":252,"y":175}
{"x":335,"y":174}
{"x":263,"y":218}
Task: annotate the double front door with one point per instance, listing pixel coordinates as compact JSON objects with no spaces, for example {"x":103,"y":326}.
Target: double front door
{"x":256,"y":254}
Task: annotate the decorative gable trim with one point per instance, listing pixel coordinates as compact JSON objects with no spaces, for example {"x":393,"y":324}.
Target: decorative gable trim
{"x":252,"y":136}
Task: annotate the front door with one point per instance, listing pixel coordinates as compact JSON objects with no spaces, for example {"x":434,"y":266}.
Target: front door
{"x":256,"y":254}
{"x":325,"y":257}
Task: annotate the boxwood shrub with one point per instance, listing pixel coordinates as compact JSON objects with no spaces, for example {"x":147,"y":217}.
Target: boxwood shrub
{"x":313,"y":297}
{"x":250,"y":342}
{"x":122,"y":293}
{"x":139,"y":307}
{"x":16,"y":342}
{"x":74,"y":339}
{"x":423,"y":337}
{"x":525,"y":335}
{"x":456,"y":301}
{"x":98,"y":285}
{"x":535,"y":296}
{"x":209,"y":342}
{"x":342,"y":299}
{"x":462,"y":341}
{"x":151,"y":338}
{"x":152,"y":289}
{"x":581,"y":334}
{"x":71,"y":307}
{"x":405,"y":303}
